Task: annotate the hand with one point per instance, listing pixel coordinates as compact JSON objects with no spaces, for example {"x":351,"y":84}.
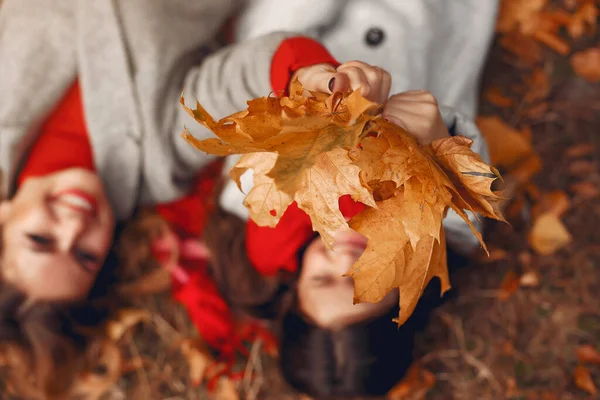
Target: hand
{"x":417,"y":112}
{"x":373,"y":82}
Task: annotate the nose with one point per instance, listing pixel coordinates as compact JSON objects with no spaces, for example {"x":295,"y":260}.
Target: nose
{"x":70,"y":226}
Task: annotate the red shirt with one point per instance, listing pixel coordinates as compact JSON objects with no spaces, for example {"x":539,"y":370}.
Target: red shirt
{"x":63,"y":143}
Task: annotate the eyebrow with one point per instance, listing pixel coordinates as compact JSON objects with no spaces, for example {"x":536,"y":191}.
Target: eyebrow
{"x":50,"y":248}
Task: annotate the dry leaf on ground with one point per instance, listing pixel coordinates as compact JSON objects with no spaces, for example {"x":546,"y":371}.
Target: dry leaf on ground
{"x":495,"y":96}
{"x":415,"y":385}
{"x":103,"y":374}
{"x":586,"y":190}
{"x":530,"y":279}
{"x":126,"y":319}
{"x":588,"y":354}
{"x":556,"y":203}
{"x":225,"y":390}
{"x":583,"y":380}
{"x":317,"y":148}
{"x":507,"y":145}
{"x":586,"y":64}
{"x":509,"y":285}
{"x":584,"y":19}
{"x":548,"y":234}
{"x":198,"y":358}
{"x":581,"y":150}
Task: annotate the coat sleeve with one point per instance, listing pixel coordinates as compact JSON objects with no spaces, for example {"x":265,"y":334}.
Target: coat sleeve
{"x":458,"y":233}
{"x":223,"y":83}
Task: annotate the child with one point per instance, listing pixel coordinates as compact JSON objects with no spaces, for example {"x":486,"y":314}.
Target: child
{"x":90,"y":132}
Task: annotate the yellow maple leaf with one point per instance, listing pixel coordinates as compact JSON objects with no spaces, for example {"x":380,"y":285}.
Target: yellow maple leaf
{"x":390,"y":261}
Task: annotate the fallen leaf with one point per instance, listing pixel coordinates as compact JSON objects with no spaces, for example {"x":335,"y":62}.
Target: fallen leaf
{"x":548,"y":234}
{"x":584,"y":19}
{"x":509,"y":285}
{"x":512,"y":389}
{"x":586,"y":190}
{"x":588,"y":354}
{"x":103,"y":372}
{"x":582,"y":168}
{"x":539,"y":85}
{"x":526,"y":49}
{"x":555,"y":203}
{"x":507,"y":145}
{"x":514,"y":12}
{"x":225,"y":390}
{"x":530,"y":279}
{"x":583,"y":380}
{"x":198,"y":359}
{"x":493,"y":256}
{"x":553,"y":41}
{"x":415,"y":385}
{"x":126,"y":319}
{"x":494,"y":95}
{"x":581,"y":150}
{"x":586,"y":64}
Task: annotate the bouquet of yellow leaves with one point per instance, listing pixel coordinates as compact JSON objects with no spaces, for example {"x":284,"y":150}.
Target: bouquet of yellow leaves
{"x":313,"y":148}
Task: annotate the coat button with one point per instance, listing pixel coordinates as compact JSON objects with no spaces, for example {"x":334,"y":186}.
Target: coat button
{"x":374,"y":37}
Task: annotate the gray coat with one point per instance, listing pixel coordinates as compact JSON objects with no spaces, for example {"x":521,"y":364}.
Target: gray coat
{"x":133,"y":58}
{"x":435,"y":45}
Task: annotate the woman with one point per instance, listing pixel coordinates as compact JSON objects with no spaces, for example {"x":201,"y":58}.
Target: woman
{"x":99,"y":139}
{"x":329,"y":347}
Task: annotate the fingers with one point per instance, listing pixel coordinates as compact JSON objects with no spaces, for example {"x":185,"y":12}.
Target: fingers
{"x":418,"y":113}
{"x":316,"y":78}
{"x":373,"y":82}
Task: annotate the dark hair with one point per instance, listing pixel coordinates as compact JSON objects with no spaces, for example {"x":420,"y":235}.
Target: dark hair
{"x":47,"y":345}
{"x":365,"y":358}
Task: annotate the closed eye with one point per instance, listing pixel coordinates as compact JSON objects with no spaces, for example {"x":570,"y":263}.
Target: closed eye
{"x":88,"y":261}
{"x":40,"y":242}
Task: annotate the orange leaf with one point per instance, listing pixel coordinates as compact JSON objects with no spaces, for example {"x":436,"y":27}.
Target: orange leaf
{"x":198,"y":359}
{"x":530,"y":279}
{"x":585,"y":189}
{"x":514,"y":12}
{"x":553,"y":41}
{"x":526,"y":49}
{"x":509,"y":285}
{"x":507,"y":146}
{"x":548,"y":234}
{"x":582,"y":168}
{"x":127,"y":319}
{"x":555,"y":203}
{"x":539,"y":86}
{"x":586,"y":64}
{"x":225,"y":390}
{"x":583,"y":18}
{"x":107,"y":358}
{"x":588,"y":354}
{"x":581,"y":150}
{"x":494,"y":95}
{"x":583,"y":380}
{"x":415,"y":384}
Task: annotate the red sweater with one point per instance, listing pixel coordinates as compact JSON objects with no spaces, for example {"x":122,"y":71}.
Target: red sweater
{"x":63,"y":143}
